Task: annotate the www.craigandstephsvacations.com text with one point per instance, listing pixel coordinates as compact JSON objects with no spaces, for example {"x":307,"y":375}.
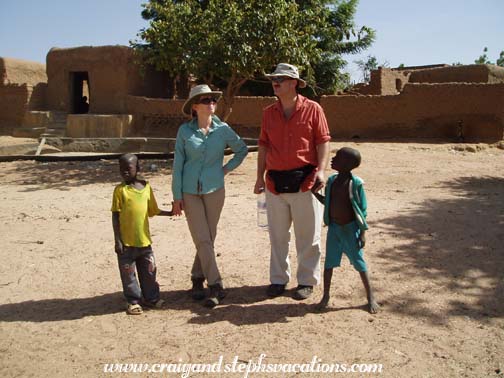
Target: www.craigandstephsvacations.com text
{"x":246,"y":368}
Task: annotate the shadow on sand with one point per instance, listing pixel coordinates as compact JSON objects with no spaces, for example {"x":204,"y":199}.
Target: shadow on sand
{"x":456,"y":245}
{"x":33,"y":176}
{"x":242,"y":306}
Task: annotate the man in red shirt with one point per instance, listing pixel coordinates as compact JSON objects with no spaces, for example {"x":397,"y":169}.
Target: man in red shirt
{"x":293,"y":152}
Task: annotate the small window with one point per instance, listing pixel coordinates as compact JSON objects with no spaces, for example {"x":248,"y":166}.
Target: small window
{"x":398,"y":85}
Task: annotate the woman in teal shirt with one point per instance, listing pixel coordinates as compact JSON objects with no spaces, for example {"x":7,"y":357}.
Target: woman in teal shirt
{"x":198,"y":183}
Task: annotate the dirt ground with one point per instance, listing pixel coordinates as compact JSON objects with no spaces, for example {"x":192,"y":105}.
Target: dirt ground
{"x":436,"y":212}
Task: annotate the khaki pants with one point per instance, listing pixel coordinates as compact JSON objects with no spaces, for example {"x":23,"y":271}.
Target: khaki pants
{"x":305,"y":212}
{"x":202,"y":214}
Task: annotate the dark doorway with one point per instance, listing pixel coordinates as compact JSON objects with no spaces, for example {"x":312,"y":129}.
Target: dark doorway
{"x":80,"y":99}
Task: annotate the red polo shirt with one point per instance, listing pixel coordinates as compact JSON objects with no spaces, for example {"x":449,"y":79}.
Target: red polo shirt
{"x":291,"y":143}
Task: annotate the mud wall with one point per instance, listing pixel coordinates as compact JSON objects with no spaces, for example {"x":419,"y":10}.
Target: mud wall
{"x":162,"y":117}
{"x":475,"y":73}
{"x":15,"y":100}
{"x":113,"y":74}
{"x":17,"y":71}
{"x":22,"y":87}
{"x":13,"y":103}
{"x":246,"y":116}
{"x":106,"y":83}
{"x":98,"y":125}
{"x":469,"y":111}
{"x":474,"y":112}
{"x":392,"y":82}
{"x":384,"y":81}
{"x":155,"y":117}
{"x":148,"y":82}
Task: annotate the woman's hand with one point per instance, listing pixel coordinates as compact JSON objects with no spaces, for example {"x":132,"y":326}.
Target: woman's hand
{"x":178,"y":207}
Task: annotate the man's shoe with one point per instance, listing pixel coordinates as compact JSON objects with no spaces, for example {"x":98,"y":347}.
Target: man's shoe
{"x":303,"y":292}
{"x":217,"y":294}
{"x":197,"y":290}
{"x":275,"y":290}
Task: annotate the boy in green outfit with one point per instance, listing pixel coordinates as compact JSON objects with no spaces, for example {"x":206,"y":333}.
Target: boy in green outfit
{"x":132,"y":205}
{"x":345,"y":215}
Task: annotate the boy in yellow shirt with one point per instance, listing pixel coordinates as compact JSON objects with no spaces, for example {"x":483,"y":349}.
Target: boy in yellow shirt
{"x":132,"y":205}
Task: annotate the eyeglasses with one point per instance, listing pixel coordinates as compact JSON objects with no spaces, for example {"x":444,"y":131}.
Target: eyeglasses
{"x":280,"y":79}
{"x":207,"y":100}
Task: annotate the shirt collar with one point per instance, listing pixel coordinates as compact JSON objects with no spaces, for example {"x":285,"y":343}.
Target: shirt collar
{"x":193,"y":123}
{"x":299,"y":103}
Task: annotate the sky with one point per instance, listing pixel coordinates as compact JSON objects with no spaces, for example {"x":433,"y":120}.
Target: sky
{"x":407,"y":32}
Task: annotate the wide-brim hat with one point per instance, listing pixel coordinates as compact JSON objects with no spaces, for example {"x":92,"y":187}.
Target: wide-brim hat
{"x":195,"y":93}
{"x":285,"y":69}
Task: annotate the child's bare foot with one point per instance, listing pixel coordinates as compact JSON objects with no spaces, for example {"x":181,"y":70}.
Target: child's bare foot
{"x":373,"y":306}
{"x":323,"y":303}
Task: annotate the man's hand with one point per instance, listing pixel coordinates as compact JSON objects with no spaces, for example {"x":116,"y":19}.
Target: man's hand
{"x":119,"y":248}
{"x":178,"y":207}
{"x":259,"y":186}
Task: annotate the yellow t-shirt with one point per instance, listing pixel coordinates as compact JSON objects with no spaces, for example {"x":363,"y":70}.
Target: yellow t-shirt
{"x":134,"y":207}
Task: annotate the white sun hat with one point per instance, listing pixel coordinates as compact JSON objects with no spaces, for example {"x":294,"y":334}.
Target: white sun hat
{"x":195,"y":93}
{"x":285,"y":69}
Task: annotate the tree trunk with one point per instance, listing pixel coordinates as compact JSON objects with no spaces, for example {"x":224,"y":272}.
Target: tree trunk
{"x":229,"y":94}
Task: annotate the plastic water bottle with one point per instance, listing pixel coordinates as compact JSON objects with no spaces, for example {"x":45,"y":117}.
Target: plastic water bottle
{"x":262,"y":215}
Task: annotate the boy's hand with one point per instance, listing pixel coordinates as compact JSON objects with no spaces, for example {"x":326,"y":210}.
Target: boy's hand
{"x":362,"y":239}
{"x":119,"y":248}
{"x":317,"y":186}
{"x":314,"y":189}
{"x":319,"y":182}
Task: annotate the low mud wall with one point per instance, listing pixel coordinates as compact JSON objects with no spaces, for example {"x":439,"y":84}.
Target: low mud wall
{"x":472,"y":112}
{"x":16,"y":99}
{"x":161,"y":117}
{"x":98,"y":125}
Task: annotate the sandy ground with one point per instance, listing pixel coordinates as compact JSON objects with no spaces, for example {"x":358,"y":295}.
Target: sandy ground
{"x":434,"y":250}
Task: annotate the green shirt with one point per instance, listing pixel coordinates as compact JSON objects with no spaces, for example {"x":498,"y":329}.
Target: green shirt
{"x":198,"y":163}
{"x":357,"y":199}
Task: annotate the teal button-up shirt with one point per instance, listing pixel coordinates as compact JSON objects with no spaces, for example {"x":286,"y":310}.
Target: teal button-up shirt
{"x":198,"y":163}
{"x":357,"y":197}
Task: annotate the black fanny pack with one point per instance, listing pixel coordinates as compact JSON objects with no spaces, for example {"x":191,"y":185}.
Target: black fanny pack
{"x":290,"y":181}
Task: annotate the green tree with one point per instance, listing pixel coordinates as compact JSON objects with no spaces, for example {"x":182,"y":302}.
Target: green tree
{"x":229,"y":42}
{"x":341,"y":36}
{"x":368,"y":65}
{"x":483,"y":59}
{"x":500,"y":61}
